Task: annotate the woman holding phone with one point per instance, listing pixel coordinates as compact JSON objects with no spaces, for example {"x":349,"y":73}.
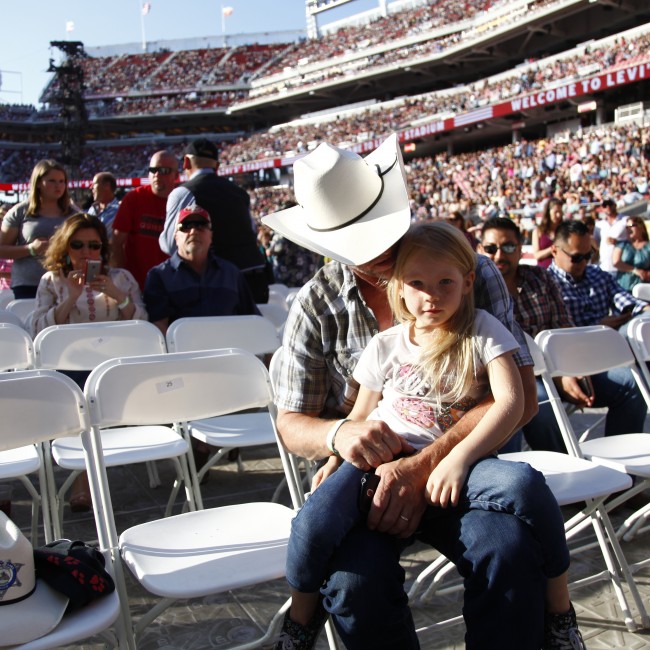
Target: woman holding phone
{"x":78,"y":287}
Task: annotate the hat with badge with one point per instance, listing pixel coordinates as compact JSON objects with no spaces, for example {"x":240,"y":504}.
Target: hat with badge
{"x":29,"y":608}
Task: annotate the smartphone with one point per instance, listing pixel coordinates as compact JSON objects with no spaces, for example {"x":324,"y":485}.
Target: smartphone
{"x":93,"y":269}
{"x":585,"y":386}
{"x":369,"y":483}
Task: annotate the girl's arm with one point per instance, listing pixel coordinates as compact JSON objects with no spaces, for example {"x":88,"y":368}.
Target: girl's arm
{"x":365,"y":404}
{"x":447,"y":479}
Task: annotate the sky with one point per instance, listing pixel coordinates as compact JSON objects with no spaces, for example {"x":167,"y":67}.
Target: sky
{"x":30,"y":25}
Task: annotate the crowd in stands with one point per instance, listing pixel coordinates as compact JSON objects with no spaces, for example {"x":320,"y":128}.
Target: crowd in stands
{"x":381,"y":119}
{"x":171,"y":72}
{"x":584,"y":167}
{"x":346,"y":52}
{"x":202,"y":79}
{"x":367,"y":123}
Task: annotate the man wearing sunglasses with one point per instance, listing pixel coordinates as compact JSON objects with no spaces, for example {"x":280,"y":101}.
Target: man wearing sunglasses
{"x":591,"y":295}
{"x":194,"y":281}
{"x":539,"y":305}
{"x":141,"y":217}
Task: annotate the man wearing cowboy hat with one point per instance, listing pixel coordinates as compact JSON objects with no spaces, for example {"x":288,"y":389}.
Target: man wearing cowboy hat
{"x":355,"y":210}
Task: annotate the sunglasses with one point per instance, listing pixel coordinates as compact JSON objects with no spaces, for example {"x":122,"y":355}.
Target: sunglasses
{"x":578,"y":257}
{"x":186,"y":226}
{"x":491,"y":249}
{"x":160,"y":170}
{"x":77,"y":245}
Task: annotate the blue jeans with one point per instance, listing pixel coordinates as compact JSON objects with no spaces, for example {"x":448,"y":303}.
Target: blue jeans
{"x":614,"y":389}
{"x":505,"y":536}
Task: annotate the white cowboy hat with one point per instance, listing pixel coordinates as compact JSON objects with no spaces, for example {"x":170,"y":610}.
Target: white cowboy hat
{"x":29,"y":608}
{"x":351,"y":209}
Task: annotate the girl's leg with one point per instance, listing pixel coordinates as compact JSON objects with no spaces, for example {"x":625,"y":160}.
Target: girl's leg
{"x":318,"y":529}
{"x":527,"y":496}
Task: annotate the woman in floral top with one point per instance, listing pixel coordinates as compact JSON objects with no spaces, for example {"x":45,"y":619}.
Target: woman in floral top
{"x":66,"y":295}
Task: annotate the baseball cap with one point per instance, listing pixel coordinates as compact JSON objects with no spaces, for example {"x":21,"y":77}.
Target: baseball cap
{"x":195,"y":211}
{"x":203,"y":148}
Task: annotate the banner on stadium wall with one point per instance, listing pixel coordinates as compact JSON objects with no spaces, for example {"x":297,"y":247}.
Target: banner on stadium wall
{"x":85,"y":184}
{"x":591,"y":85}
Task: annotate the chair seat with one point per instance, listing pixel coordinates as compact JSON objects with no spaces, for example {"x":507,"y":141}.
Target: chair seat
{"x":123,"y":446}
{"x":573,"y":479}
{"x":629,"y":452}
{"x":19,"y":461}
{"x":75,"y":626}
{"x":238,"y":430}
{"x":209,"y":551}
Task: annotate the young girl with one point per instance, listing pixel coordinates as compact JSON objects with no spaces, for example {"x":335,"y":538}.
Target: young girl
{"x":420,"y":377}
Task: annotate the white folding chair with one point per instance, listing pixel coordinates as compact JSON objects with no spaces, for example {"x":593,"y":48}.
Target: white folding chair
{"x":196,"y":553}
{"x":83,"y":347}
{"x":52,"y":405}
{"x":641,"y":291}
{"x":572,"y":480}
{"x":276,"y":313}
{"x":279,"y":288}
{"x":638,"y":337}
{"x":22,"y":307}
{"x":235,"y":431}
{"x":7,"y":316}
{"x":6,"y":296}
{"x":584,"y":351}
{"x":17,"y":353}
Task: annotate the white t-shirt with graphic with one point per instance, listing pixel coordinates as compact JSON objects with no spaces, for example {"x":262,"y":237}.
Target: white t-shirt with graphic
{"x":407,"y":405}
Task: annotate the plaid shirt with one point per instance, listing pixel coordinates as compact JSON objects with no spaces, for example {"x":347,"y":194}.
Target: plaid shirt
{"x":590,"y":299}
{"x":538,"y":303}
{"x":329,"y":325}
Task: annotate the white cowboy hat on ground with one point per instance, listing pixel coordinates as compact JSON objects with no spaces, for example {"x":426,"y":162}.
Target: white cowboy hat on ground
{"x":351,"y":209}
{"x":29,"y":608}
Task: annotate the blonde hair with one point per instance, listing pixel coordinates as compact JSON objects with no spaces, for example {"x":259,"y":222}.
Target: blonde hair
{"x":42,"y":169}
{"x":447,"y":363}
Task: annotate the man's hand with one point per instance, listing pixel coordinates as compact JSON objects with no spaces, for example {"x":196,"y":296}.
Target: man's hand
{"x":369,"y":443}
{"x":616,"y":321}
{"x":399,"y":500}
{"x":571,"y":391}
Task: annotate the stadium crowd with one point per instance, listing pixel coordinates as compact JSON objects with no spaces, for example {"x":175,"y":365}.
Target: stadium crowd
{"x":213,"y":78}
{"x":381,"y":119}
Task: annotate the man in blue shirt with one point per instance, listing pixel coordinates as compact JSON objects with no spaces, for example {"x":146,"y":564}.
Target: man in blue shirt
{"x":194,"y":281}
{"x":589,"y":293}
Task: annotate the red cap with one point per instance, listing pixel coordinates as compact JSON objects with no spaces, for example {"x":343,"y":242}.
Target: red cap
{"x":193,"y":211}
